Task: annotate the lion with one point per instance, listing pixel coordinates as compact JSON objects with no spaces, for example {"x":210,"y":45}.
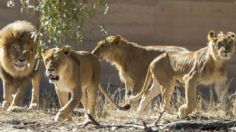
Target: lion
{"x":18,"y":64}
{"x":77,"y":73}
{"x":130,"y":59}
{"x":202,"y":67}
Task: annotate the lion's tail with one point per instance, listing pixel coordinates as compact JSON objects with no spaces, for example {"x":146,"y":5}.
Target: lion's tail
{"x":144,"y":89}
{"x":103,"y":91}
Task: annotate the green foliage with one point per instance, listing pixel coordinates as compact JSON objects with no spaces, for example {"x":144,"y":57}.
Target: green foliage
{"x":61,"y":21}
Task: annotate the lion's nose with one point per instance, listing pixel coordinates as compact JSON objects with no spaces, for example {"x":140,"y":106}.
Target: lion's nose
{"x":21,"y":59}
{"x":225,"y":51}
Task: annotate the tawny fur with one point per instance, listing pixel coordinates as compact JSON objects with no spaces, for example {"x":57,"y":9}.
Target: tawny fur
{"x":77,"y":73}
{"x":202,"y":67}
{"x":15,"y":44}
{"x":130,"y":59}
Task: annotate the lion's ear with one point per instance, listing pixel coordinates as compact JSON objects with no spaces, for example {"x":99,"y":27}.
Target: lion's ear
{"x":117,"y":39}
{"x":43,"y":51}
{"x":231,"y":35}
{"x":211,"y":35}
{"x":24,"y":35}
{"x":66,"y":49}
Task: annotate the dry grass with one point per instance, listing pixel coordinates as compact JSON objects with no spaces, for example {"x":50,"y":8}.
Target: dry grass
{"x":206,"y":109}
{"x":113,"y":119}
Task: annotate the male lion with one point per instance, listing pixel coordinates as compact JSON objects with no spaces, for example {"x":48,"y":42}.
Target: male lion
{"x":77,"y":73}
{"x":130,"y":59}
{"x":203,"y":67}
{"x":17,"y":65}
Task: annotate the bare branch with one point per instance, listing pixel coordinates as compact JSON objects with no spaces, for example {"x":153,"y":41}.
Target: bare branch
{"x":158,"y":119}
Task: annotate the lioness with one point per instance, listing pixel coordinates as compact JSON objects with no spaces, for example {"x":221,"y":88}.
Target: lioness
{"x":130,"y":59}
{"x":205,"y":66}
{"x":17,"y":65}
{"x":77,"y":73}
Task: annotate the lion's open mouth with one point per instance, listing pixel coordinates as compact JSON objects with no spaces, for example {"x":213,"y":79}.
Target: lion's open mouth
{"x":225,"y":56}
{"x":53,"y":77}
{"x":20,"y":65}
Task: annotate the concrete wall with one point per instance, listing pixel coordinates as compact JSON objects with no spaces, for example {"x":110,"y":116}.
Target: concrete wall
{"x":8,"y":15}
{"x":169,"y":22}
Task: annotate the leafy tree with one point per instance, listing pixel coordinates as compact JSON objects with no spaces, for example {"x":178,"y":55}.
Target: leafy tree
{"x":61,"y":21}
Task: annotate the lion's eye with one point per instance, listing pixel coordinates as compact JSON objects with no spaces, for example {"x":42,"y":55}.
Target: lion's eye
{"x":14,"y":47}
{"x":220,"y":44}
{"x":56,"y":60}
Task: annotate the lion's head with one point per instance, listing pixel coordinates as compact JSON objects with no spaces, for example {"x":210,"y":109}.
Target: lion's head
{"x":222,"y":45}
{"x":55,"y":60}
{"x":107,"y":46}
{"x":17,"y":48}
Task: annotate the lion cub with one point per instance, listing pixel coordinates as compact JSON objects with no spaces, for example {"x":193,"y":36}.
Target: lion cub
{"x":130,"y":59}
{"x":205,"y":66}
{"x":77,"y":73}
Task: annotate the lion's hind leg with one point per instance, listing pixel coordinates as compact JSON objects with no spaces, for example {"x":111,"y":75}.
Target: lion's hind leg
{"x":163,"y":72}
{"x":84,"y":99}
{"x":149,"y":95}
{"x":167,"y":92}
{"x":89,"y":103}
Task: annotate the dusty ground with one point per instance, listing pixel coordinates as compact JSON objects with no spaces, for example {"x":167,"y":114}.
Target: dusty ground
{"x":211,"y":119}
{"x":39,"y":120}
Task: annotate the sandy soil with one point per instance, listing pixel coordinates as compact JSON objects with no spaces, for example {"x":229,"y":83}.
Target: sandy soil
{"x":39,"y":120}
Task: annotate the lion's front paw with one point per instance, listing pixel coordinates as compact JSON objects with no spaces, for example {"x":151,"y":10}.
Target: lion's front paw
{"x":33,"y":106}
{"x":5,"y":104}
{"x":183,"y":111}
{"x":62,"y":117}
{"x":15,"y":109}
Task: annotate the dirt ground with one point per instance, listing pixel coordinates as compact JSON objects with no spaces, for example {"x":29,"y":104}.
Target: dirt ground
{"x":39,"y":120}
{"x":110,"y":119}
